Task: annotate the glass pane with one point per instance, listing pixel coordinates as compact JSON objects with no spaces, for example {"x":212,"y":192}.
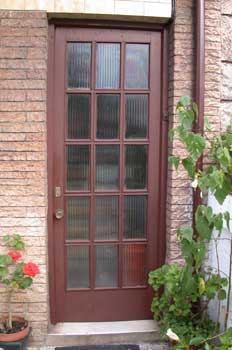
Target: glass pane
{"x":78,"y":116}
{"x":78,"y":266}
{"x":135,"y":217}
{"x":106,"y":217}
{"x":136,"y":166}
{"x":78,"y":218}
{"x":107,"y":158}
{"x":79,"y":63}
{"x":107,"y":116}
{"x":137,"y":66}
{"x":78,"y":167}
{"x":106,"y":262}
{"x":108,"y":66}
{"x":134,"y":265}
{"x":136,"y":116}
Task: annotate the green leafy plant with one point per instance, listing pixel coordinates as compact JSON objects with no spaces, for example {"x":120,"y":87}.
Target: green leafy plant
{"x":182,"y":293}
{"x":15,"y":274}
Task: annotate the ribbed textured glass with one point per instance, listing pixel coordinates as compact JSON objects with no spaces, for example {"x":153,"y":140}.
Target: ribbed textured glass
{"x":107,"y":116}
{"x":78,"y":116}
{"x":79,"y":65}
{"x":78,"y":159}
{"x":135,"y":217}
{"x":107,"y":159}
{"x":78,"y":266}
{"x":78,"y":210}
{"x":106,"y":266}
{"x":136,"y":166}
{"x":108,"y":66}
{"x":134,"y":265}
{"x":106,"y":225}
{"x":137,"y":66}
{"x":136,"y":116}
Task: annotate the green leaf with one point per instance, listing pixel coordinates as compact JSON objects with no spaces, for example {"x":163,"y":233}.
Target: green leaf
{"x":226,"y":339}
{"x":6,"y":281}
{"x":221,"y":294}
{"x":26,"y":282}
{"x":186,"y":233}
{"x":201,"y":285}
{"x":20,"y":245}
{"x":6,"y":238}
{"x":185,"y":100}
{"x":227,"y":218}
{"x":190,"y":166}
{"x":5,"y":259}
{"x":19,"y":268}
{"x":174,"y":161}
{"x":224,"y":281}
{"x":218,"y":222}
{"x":196,"y":340}
{"x":3,"y":271}
{"x":207,"y":125}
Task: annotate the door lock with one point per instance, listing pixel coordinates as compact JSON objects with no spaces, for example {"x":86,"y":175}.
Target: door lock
{"x":59,"y":213}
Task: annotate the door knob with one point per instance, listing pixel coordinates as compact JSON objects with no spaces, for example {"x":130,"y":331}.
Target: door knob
{"x":59,"y":213}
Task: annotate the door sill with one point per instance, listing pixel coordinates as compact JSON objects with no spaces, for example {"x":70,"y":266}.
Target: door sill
{"x":89,"y":333}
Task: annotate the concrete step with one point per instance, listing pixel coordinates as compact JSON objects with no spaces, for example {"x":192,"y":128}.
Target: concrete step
{"x":94,"y":333}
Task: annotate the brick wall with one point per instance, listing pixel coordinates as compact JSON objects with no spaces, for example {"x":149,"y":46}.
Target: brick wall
{"x":181,"y":79}
{"x":23,"y":172}
{"x":226,"y":66}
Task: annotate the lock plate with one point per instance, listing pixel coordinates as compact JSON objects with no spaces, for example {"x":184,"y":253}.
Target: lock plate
{"x":59,"y":213}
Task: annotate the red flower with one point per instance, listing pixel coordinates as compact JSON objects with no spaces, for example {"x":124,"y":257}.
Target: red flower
{"x":14,"y":255}
{"x":31,"y":269}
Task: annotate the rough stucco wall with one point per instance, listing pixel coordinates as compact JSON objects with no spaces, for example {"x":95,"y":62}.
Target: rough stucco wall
{"x":226,"y":57}
{"x":181,"y":79}
{"x":23,"y":156}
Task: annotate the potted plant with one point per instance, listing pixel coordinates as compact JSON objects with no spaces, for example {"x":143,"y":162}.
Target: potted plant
{"x":182,"y":293}
{"x":15,"y":274}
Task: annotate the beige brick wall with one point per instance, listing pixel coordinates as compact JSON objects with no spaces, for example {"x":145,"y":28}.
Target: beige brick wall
{"x":23,"y":155}
{"x":226,"y":66}
{"x":149,"y":8}
{"x":181,"y":80}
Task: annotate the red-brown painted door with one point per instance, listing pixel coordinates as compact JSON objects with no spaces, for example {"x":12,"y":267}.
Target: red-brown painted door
{"x":106,"y":132}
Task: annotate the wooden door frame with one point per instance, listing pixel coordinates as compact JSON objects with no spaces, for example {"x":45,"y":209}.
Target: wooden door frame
{"x":161,"y":205}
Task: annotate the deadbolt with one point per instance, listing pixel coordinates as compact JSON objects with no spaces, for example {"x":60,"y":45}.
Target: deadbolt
{"x":59,"y":213}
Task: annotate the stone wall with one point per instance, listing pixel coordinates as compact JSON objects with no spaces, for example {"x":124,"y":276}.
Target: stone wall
{"x":23,"y":155}
{"x":226,"y":59}
{"x":181,"y":82}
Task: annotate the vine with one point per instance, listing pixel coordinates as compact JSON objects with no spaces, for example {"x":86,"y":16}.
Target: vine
{"x":181,"y":308}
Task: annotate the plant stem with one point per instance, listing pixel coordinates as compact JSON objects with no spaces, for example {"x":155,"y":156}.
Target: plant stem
{"x":229,"y":287}
{"x":9,"y":321}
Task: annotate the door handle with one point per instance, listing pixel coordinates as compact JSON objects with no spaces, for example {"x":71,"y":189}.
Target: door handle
{"x":59,"y":213}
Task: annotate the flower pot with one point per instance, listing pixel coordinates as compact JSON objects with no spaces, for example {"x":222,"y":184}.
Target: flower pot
{"x":11,"y":337}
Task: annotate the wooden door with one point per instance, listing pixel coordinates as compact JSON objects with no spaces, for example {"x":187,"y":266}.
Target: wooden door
{"x":106,"y":173}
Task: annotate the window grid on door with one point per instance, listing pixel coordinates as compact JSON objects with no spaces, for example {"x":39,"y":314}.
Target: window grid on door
{"x":124,"y":252}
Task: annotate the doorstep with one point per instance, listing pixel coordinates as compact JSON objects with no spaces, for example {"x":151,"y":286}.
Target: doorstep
{"x":93,"y":333}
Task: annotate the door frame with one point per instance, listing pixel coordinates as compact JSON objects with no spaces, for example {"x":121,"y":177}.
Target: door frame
{"x":53,"y":24}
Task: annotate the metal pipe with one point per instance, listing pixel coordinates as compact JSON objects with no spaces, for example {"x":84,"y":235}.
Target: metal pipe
{"x":199,"y":84}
